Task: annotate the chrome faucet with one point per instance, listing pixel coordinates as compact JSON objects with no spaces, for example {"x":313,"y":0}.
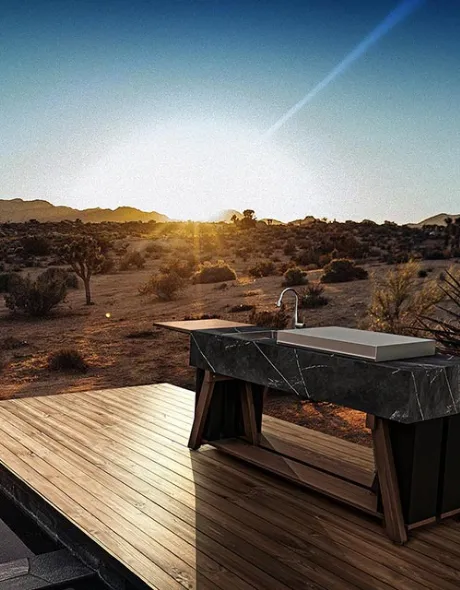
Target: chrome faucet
{"x":297,"y":324}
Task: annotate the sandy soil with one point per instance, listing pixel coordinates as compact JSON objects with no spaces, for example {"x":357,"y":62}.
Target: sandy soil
{"x":117,"y":338}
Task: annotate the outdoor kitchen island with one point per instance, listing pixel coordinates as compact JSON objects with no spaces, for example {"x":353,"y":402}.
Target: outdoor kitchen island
{"x":412,"y":409}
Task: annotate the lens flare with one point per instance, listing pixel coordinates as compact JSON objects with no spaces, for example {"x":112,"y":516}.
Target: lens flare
{"x":399,"y":14}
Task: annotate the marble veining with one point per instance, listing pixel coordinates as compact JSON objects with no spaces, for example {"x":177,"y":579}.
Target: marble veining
{"x":407,"y":391}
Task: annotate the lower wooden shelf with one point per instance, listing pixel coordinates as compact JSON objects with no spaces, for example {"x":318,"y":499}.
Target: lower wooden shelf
{"x":332,"y":485}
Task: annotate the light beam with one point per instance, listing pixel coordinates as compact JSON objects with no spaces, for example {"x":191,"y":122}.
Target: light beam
{"x":397,"y":15}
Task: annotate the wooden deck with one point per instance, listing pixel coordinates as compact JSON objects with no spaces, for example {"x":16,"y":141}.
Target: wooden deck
{"x":115,"y":463}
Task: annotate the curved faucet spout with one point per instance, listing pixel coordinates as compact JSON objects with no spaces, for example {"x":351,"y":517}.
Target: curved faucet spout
{"x":297,"y":324}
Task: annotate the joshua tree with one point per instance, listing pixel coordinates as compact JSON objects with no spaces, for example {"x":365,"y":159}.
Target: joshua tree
{"x":248,"y":219}
{"x":84,"y":256}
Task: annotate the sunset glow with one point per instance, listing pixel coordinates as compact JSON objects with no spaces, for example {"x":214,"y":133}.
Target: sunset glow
{"x":197,"y":168}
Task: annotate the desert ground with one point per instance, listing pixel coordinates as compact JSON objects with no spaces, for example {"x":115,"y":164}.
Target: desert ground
{"x":118,"y":339}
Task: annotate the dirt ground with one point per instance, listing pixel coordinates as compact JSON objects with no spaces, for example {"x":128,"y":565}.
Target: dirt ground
{"x":122,"y":347}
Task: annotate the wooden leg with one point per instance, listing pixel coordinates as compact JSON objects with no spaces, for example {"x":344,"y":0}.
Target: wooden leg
{"x":388,"y":482}
{"x":201,"y":410}
{"x":249,"y":415}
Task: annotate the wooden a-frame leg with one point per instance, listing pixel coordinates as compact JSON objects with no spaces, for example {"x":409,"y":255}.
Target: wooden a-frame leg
{"x":249,"y":415}
{"x":387,"y":478}
{"x":201,"y":410}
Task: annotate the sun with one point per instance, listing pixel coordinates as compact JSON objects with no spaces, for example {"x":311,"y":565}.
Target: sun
{"x":192,"y":169}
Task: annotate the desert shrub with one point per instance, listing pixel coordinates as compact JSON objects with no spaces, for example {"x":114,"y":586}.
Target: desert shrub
{"x":143,"y":334}
{"x":398,"y":301}
{"x":221,"y":287}
{"x":132,"y":259}
{"x":184,"y":268}
{"x":241,"y":307}
{"x":61,"y":274}
{"x":250,"y":293}
{"x":201,"y":316}
{"x":35,"y":246}
{"x":342,"y":270}
{"x":422,"y":273}
{"x":294,"y":276}
{"x":263,"y":268}
{"x":155,"y":249}
{"x":214,"y":273}
{"x":447,"y":330}
{"x":243,"y":253}
{"x":312,"y":296}
{"x":290,"y":247}
{"x":5,"y":281}
{"x":107,"y":265}
{"x":165,"y":286}
{"x":72,"y":281}
{"x":68,"y":360}
{"x":435,"y":254}
{"x":12,"y":343}
{"x":306,"y":256}
{"x":36,"y":297}
{"x":276,"y":319}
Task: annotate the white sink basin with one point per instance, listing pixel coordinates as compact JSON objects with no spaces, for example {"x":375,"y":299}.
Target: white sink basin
{"x":375,"y":346}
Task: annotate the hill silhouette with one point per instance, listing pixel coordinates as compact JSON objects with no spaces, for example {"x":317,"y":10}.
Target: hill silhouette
{"x":438,"y":219}
{"x":20,"y":210}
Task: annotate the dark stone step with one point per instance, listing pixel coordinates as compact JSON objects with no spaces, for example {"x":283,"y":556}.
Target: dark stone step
{"x":11,"y":546}
{"x":54,"y":570}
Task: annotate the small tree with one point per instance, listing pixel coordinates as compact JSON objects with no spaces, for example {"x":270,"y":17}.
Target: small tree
{"x":84,"y":256}
{"x":248,"y":219}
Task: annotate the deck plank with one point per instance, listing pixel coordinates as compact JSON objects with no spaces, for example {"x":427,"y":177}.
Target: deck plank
{"x":115,"y":463}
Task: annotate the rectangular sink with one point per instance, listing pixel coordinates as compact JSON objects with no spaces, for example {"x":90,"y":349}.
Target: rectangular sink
{"x":375,"y":346}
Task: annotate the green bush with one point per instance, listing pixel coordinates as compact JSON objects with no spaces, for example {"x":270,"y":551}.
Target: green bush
{"x":214,"y":273}
{"x":36,"y":298}
{"x":294,"y":276}
{"x":67,"y":359}
{"x":342,"y":270}
{"x":263,"y":268}
{"x":165,"y":286}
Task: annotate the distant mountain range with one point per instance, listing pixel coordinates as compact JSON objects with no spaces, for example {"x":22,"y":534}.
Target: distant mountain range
{"x":439,"y":219}
{"x":19,"y":210}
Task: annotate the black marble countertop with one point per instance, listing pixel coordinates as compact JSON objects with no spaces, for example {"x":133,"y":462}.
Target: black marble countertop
{"x":406,"y":391}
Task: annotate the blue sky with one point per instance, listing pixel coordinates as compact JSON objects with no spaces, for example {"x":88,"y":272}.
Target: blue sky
{"x":161,"y":105}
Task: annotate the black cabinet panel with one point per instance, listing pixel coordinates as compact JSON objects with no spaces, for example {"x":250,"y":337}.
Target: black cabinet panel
{"x":417,"y":452}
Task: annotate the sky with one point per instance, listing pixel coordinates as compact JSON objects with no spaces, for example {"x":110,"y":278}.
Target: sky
{"x":168,"y":106}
